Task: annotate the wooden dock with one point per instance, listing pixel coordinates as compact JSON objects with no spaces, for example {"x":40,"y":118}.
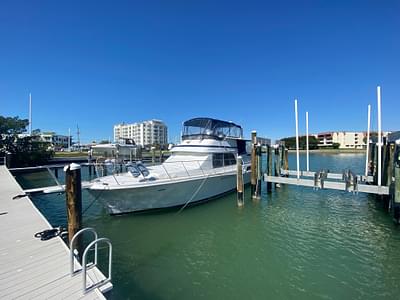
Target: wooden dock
{"x":31,"y":268}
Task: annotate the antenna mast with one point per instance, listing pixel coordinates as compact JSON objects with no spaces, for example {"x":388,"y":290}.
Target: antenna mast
{"x":30,"y":114}
{"x":78,"y":135}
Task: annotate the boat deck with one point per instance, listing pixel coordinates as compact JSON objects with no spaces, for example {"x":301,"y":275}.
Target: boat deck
{"x":31,"y":268}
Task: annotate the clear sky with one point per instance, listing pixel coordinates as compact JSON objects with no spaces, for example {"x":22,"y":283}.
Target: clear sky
{"x":99,"y":63}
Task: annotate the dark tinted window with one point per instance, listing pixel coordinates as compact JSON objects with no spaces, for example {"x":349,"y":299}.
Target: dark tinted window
{"x":218,"y":160}
{"x":229,"y":159}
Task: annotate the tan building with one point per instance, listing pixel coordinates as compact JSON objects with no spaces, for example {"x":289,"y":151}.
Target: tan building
{"x":345,"y":139}
{"x":350,"y":140}
{"x":151,"y":132}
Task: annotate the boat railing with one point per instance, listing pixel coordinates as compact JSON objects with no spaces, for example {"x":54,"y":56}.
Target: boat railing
{"x":193,"y":168}
{"x":171,"y":169}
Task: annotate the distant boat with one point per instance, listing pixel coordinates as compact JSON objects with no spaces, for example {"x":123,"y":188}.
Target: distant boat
{"x":201,"y":167}
{"x":122,"y":151}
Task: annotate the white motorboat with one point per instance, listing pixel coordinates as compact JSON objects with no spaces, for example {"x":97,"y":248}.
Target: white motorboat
{"x":201,"y":167}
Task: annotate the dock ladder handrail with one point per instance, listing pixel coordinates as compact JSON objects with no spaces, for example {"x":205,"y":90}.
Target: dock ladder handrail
{"x":84,"y":266}
{"x":71,"y":247}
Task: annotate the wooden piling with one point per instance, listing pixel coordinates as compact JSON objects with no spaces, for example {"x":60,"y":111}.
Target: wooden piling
{"x":153,"y":155}
{"x":253,"y":181}
{"x":385,"y":164}
{"x":73,"y":193}
{"x":56,"y":172}
{"x":385,"y":180}
{"x":269,"y":167}
{"x":239,"y":181}
{"x":375,"y":164}
{"x":396,"y":186}
{"x":257,"y":192}
{"x":371,"y":155}
{"x":390,"y":169}
{"x":277,"y":164}
{"x":286,"y":160}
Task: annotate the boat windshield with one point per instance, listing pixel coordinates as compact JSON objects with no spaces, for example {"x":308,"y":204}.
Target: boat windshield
{"x":210,"y":128}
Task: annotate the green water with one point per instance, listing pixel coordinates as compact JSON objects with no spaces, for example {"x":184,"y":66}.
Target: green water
{"x":294,"y":243}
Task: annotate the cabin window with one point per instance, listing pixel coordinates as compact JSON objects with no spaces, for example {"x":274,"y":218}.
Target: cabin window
{"x":218,"y":160}
{"x":229,"y":159}
{"x":223,"y":159}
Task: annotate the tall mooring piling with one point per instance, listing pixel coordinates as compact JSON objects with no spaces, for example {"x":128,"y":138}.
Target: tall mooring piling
{"x":73,"y":194}
{"x":269,"y":166}
{"x":257,"y":192}
{"x":239,"y":181}
{"x":395,"y":199}
{"x":396,"y":194}
{"x":277,"y":163}
{"x":253,"y":181}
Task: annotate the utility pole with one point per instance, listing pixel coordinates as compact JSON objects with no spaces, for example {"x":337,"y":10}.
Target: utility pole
{"x":30,"y":114}
{"x":78,"y":135}
{"x":69,"y":139}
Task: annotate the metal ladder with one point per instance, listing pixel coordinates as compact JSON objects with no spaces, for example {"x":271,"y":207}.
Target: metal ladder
{"x":96,"y":240}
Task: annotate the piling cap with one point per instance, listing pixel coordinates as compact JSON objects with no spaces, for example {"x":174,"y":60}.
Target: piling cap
{"x":71,"y":167}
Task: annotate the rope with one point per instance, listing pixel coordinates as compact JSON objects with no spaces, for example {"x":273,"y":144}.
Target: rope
{"x":49,"y":233}
{"x":93,"y":201}
{"x":194,"y":195}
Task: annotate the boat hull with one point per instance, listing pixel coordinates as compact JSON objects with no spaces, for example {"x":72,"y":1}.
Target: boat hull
{"x":168,"y":195}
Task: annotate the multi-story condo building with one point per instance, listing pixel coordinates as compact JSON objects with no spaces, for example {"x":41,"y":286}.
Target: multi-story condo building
{"x":325,"y":139}
{"x":345,"y":139}
{"x":152,"y":132}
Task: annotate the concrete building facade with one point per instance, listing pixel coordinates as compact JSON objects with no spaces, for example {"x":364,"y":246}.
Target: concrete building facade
{"x":345,"y":139}
{"x":56,"y":140}
{"x":151,"y":132}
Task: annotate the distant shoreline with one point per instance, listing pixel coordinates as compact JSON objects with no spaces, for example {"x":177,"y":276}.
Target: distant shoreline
{"x":331,"y":151}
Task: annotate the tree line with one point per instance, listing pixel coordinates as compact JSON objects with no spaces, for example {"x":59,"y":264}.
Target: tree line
{"x":20,"y":149}
{"x":290,"y":142}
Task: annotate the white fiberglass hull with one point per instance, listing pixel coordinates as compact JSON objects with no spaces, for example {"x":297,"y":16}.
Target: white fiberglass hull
{"x":169,"y":194}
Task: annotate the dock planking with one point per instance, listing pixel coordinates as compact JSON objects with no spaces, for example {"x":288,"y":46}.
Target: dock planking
{"x":31,"y":268}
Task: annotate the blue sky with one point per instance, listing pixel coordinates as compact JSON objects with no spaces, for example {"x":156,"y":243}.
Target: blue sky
{"x":96,"y":63}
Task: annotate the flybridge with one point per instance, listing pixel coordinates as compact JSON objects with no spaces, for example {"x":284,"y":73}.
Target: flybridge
{"x":210,"y":128}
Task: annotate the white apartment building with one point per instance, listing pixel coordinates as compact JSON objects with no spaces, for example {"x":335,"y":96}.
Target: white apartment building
{"x":151,"y":132}
{"x":352,"y":140}
{"x":345,"y":139}
{"x":56,"y":140}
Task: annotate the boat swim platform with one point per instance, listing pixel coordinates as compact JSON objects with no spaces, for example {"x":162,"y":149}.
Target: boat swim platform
{"x":336,"y":182}
{"x":31,"y":268}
